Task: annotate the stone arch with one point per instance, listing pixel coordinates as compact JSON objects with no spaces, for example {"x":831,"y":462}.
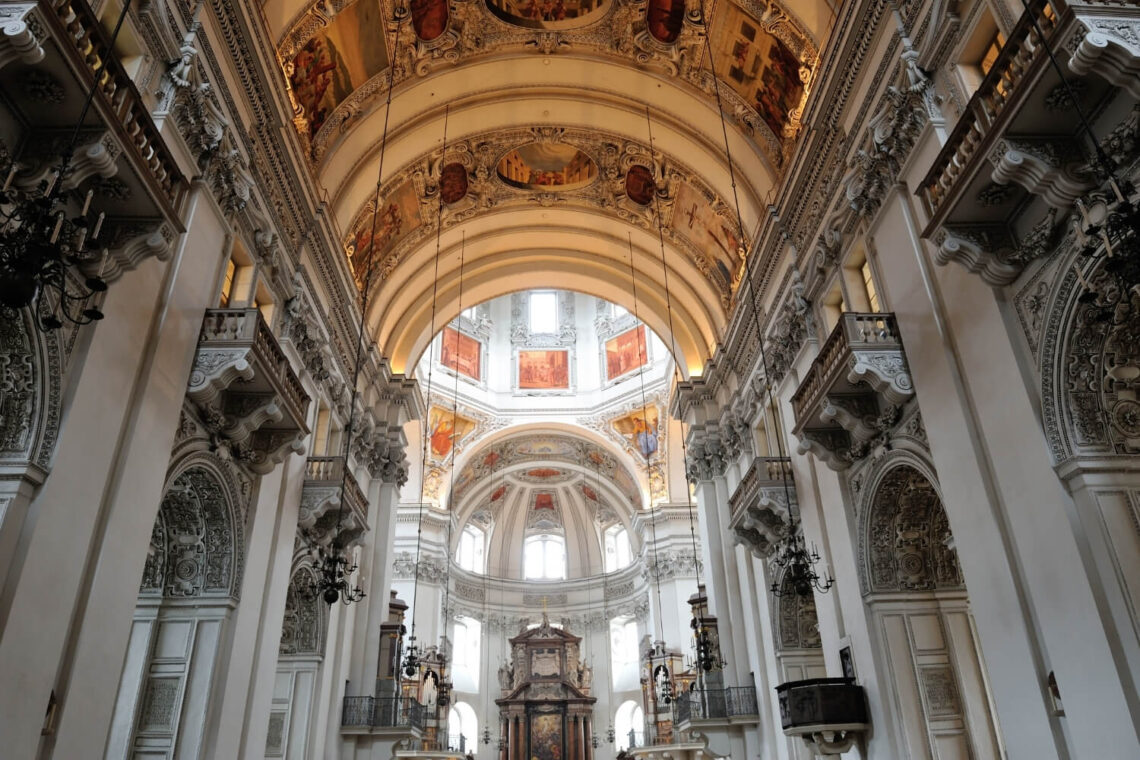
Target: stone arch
{"x":905,"y":538}
{"x":304,"y":625}
{"x":197,"y":543}
{"x":31,"y":369}
{"x":1089,"y":372}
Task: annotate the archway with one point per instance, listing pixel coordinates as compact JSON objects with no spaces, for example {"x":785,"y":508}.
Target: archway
{"x":920,"y":616}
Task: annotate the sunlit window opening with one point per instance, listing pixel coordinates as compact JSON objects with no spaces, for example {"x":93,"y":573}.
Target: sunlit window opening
{"x":623,"y":652}
{"x":629,"y":725}
{"x":462,"y":727}
{"x":472,"y":549}
{"x":466,"y":640}
{"x":618,"y":552}
{"x":544,"y":558}
{"x":543,"y":312}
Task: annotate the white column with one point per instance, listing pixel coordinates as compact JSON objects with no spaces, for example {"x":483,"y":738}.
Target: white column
{"x":376,"y":566}
{"x":66,"y":609}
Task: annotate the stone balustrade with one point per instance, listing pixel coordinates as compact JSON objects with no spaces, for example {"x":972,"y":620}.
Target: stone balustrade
{"x":854,"y":390}
{"x":321,"y":514}
{"x":759,"y":504}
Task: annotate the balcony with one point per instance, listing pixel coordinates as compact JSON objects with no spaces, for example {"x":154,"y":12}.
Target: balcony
{"x":760,"y":504}
{"x":249,"y":399}
{"x":1011,"y":154}
{"x":710,"y":708}
{"x":854,"y":391}
{"x":320,"y":514}
{"x":827,"y":713}
{"x":666,"y":745}
{"x":391,"y":716}
{"x":57,"y":46}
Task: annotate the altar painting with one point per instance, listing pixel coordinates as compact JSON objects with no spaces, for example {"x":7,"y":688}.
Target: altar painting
{"x":546,"y":737}
{"x":626,"y":352}
{"x":461,"y":353}
{"x":544,"y":370}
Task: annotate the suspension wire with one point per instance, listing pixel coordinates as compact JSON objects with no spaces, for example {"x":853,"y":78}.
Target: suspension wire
{"x":641,"y":359}
{"x":753,"y":302}
{"x":454,"y":419}
{"x":676,"y":364}
{"x":427,"y":401}
{"x":606,"y":621}
{"x":366,"y":292}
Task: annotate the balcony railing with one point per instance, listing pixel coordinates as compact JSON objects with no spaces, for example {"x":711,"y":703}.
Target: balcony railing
{"x":854,"y":331}
{"x":382,"y":712}
{"x":652,"y":738}
{"x":717,"y":705}
{"x":328,"y":472}
{"x":84,"y":38}
{"x":988,"y":110}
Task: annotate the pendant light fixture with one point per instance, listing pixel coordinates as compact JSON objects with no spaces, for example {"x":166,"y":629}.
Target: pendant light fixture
{"x":413,"y":654}
{"x":41,"y":242}
{"x":793,"y":565}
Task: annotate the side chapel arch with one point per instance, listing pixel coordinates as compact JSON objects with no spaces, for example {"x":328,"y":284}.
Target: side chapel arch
{"x":31,"y":368}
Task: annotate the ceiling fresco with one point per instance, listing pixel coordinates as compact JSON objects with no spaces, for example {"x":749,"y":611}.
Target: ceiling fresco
{"x":336,"y":64}
{"x":695,"y":220}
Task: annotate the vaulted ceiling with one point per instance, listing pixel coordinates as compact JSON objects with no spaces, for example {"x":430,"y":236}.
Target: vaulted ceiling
{"x":559,"y":141}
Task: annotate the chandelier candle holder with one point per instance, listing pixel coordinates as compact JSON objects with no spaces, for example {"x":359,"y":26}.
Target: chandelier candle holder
{"x":794,"y":568}
{"x":334,"y":571}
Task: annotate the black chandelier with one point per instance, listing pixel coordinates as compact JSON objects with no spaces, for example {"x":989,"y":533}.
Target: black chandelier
{"x":334,"y":571}
{"x":41,"y":241}
{"x":794,"y":568}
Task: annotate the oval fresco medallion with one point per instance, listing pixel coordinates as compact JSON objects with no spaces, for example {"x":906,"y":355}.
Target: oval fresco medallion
{"x":453,"y":183}
{"x":664,"y":18}
{"x":429,"y":18}
{"x":639,"y":185}
{"x":537,"y":166}
{"x":549,"y":14}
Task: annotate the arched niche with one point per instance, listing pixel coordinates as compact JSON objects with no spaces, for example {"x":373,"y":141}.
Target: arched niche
{"x":1090,"y":373}
{"x":304,"y":625}
{"x":906,"y":544}
{"x":30,"y":373}
{"x":197,"y":544}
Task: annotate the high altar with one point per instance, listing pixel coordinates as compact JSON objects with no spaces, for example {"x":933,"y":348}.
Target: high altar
{"x":546,"y":711}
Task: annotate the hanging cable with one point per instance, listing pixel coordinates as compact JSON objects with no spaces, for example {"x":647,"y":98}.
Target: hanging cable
{"x":335,"y":570}
{"x":454,"y":442}
{"x":793,"y":555}
{"x":411,"y":663}
{"x":641,"y":360}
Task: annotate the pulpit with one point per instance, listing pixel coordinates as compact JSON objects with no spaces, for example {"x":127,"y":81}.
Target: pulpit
{"x":546,"y":711}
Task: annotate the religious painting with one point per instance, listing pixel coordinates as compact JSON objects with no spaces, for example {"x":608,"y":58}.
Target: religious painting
{"x":641,"y":429}
{"x":548,"y":14}
{"x":589,"y":493}
{"x":663,"y":18}
{"x":546,"y":736}
{"x":758,"y":66}
{"x":339,"y":58}
{"x":453,"y":183}
{"x":543,"y":501}
{"x":446,"y":428}
{"x":695,"y":219}
{"x":498,"y":493}
{"x":544,"y":370}
{"x":626,"y":352}
{"x":544,"y":472}
{"x":639,"y":185}
{"x":399,"y":215}
{"x":429,"y":18}
{"x":460,"y":353}
{"x":539,"y":166}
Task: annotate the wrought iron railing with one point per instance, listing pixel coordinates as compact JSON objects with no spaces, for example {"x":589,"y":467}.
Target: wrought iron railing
{"x":382,"y":712}
{"x":717,"y":704}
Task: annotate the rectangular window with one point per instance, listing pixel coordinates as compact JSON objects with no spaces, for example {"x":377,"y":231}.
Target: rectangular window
{"x":869,"y":286}
{"x":543,"y":312}
{"x":990,"y":53}
{"x":227,"y":284}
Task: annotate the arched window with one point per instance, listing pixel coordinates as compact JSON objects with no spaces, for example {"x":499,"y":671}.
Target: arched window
{"x":466,"y":642}
{"x":544,"y":558}
{"x":629,"y":725}
{"x":462,"y":728}
{"x":618,"y":552}
{"x":472,"y":543}
{"x":623,"y":652}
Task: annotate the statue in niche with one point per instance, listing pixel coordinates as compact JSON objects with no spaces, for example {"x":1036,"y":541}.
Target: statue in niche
{"x":585,"y":676}
{"x":506,"y":676}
